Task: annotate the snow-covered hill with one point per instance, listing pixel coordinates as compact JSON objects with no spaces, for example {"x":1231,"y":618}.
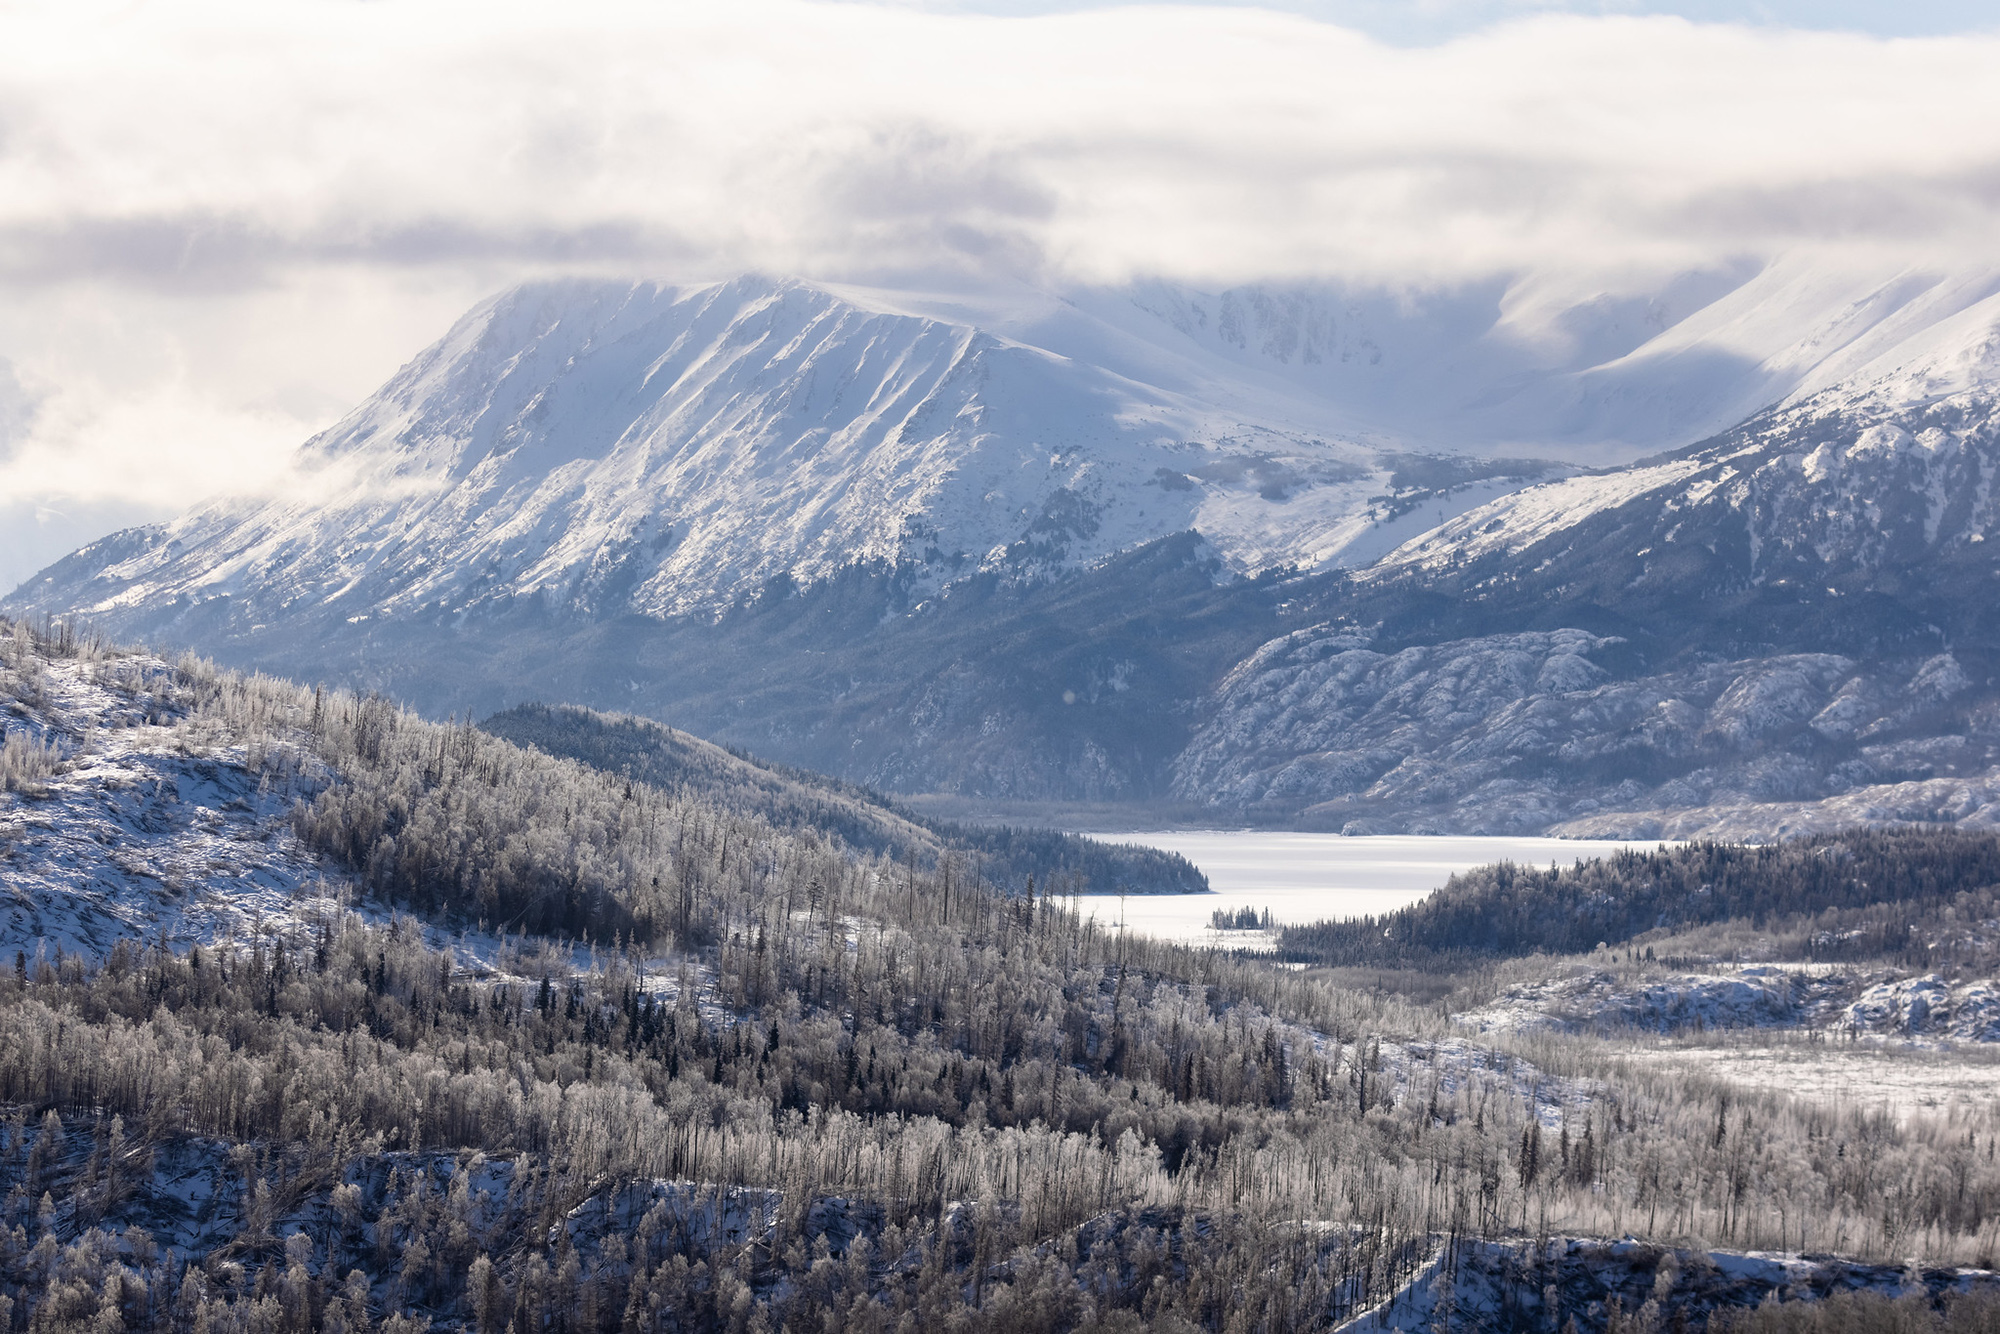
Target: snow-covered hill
{"x":144,"y":829}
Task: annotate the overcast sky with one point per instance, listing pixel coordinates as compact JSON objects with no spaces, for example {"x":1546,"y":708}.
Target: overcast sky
{"x":222,"y":223}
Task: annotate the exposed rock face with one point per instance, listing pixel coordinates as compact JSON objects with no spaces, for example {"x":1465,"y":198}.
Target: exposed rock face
{"x":1514,"y":733}
{"x":1582,"y":1280}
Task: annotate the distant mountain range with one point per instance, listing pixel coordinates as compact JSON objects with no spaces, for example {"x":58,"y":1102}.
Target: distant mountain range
{"x":1300,"y":554}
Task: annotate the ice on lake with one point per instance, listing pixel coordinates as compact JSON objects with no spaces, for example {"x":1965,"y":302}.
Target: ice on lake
{"x":1311,"y":877}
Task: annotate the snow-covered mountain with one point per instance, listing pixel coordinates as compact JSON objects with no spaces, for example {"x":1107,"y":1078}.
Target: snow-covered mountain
{"x":612,"y":448}
{"x":1566,"y":369}
{"x":1046,"y":545}
{"x":1790,"y":629}
{"x":617,"y":447}
{"x":1889,"y":467}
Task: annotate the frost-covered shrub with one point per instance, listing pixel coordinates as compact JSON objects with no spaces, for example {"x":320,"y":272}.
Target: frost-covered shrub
{"x":25,"y":761}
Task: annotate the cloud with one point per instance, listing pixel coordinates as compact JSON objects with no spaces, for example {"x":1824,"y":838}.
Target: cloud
{"x":213,"y":144}
{"x":1427,"y":22}
{"x":17,"y":411}
{"x":212,"y":209}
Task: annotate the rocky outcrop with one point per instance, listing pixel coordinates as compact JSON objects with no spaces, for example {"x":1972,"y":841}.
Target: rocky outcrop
{"x":1600,"y":1284}
{"x":1518,"y":733}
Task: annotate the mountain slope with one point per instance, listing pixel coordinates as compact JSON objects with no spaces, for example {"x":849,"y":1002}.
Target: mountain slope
{"x":1855,"y":486}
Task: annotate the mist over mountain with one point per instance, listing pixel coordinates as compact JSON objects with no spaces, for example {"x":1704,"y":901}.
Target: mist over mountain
{"x":1302,"y":553}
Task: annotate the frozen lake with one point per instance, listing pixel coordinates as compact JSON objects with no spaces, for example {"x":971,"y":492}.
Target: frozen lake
{"x":1311,"y":877}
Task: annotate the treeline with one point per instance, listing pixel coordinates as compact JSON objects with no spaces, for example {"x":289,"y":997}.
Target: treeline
{"x":792,"y":798}
{"x":1822,"y":888}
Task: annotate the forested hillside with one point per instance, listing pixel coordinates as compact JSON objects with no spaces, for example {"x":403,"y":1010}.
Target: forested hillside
{"x":1848,"y":896}
{"x":674,"y":1068}
{"x":793,"y":798}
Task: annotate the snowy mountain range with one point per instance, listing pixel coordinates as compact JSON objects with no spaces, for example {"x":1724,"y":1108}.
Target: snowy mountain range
{"x":1048,"y":546}
{"x":665,"y":450}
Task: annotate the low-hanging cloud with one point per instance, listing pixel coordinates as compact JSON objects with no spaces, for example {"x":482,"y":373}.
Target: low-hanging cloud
{"x":213,"y":202}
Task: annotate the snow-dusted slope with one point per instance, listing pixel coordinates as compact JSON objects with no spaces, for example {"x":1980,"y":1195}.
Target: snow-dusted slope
{"x":1519,"y":733}
{"x":1653,"y":998}
{"x":144,"y":833}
